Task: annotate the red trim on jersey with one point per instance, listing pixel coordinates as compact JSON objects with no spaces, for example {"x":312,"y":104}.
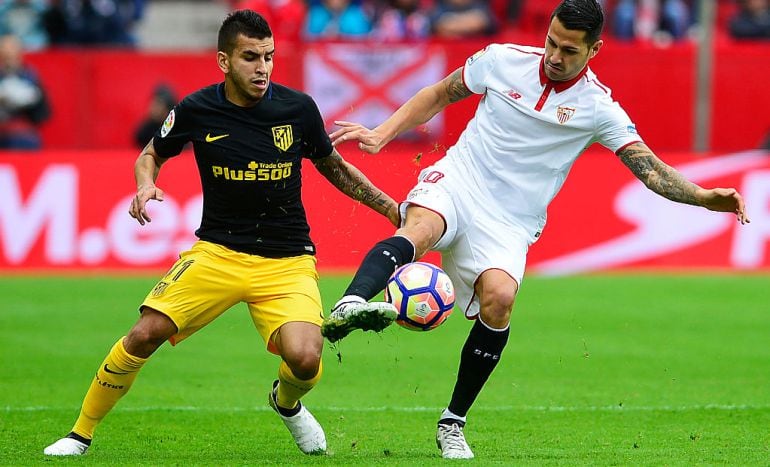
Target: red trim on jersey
{"x":600,"y":85}
{"x":543,"y":97}
{"x":627,"y":145}
{"x":531,"y":52}
{"x":559,"y":86}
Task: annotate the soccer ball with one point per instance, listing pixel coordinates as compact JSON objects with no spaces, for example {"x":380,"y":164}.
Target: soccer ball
{"x":423,"y":295}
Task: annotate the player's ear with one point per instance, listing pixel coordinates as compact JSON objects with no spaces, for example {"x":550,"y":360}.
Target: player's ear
{"x":223,"y":61}
{"x":595,"y":48}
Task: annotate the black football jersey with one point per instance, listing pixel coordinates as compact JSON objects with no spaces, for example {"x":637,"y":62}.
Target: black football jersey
{"x":250,"y":161}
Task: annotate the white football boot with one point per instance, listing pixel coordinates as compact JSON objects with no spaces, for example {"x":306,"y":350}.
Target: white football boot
{"x":307,"y":432}
{"x":66,"y":447}
{"x":349,"y":314}
{"x":451,"y":441}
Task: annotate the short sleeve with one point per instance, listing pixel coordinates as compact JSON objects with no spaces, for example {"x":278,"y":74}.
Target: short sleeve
{"x":316,"y":142}
{"x":615,"y":129}
{"x":174,"y":133}
{"x":478,"y":67}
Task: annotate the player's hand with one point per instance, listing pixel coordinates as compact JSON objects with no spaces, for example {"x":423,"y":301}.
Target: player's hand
{"x":368,"y":140}
{"x":725,"y":200}
{"x":138,"y":208}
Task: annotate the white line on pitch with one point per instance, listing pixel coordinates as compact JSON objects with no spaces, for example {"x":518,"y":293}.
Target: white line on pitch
{"x":523,"y":408}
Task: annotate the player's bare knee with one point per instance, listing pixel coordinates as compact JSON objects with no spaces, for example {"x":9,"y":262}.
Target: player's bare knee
{"x":422,"y":236}
{"x":497,"y":305}
{"x":304,"y":361}
{"x":304,"y":366}
{"x":150,"y":332}
{"x":142,"y":342}
{"x":423,"y":228}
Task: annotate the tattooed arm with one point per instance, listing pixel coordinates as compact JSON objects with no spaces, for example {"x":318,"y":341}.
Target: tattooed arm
{"x":351,"y":181}
{"x":669,"y":183}
{"x":417,"y":110}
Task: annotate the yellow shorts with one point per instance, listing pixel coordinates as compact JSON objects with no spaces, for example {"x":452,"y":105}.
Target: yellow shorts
{"x":209,"y":279}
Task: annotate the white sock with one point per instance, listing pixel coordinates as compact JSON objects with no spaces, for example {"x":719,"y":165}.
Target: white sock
{"x":491,"y":328}
{"x":448,"y":414}
{"x":349,"y":299}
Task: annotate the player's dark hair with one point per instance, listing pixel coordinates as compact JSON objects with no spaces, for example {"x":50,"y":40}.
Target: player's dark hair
{"x":247,"y":22}
{"x":581,"y":15}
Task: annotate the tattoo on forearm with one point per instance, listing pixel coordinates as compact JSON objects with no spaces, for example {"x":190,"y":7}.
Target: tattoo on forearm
{"x":364,"y":192}
{"x":351,"y":182}
{"x":658,"y":176}
{"x":456,"y":88}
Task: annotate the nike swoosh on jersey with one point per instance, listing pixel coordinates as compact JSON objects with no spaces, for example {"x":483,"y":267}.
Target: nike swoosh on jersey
{"x":211,"y":139}
{"x":107,"y":369}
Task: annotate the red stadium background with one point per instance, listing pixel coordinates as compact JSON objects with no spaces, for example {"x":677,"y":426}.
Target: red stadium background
{"x":62,"y":211}
{"x":65,"y":208}
{"x":100,"y":96}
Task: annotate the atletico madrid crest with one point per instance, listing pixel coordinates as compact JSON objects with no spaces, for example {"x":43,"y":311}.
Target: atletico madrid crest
{"x":283,"y":137}
{"x":564,"y":113}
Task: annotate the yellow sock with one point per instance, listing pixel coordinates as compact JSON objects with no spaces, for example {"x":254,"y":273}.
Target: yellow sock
{"x":290,"y":388}
{"x":113,"y":379}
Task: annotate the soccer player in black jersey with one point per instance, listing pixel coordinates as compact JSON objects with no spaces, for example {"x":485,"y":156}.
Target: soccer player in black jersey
{"x":249,"y":136}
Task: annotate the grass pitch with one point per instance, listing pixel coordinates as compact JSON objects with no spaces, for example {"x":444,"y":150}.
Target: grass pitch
{"x":599,"y":370}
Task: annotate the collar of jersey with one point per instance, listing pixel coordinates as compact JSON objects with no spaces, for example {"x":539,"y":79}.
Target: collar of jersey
{"x":559,"y":86}
{"x":221,"y":91}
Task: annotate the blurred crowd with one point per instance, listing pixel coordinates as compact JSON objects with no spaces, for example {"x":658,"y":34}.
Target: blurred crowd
{"x":31,"y":25}
{"x":404,"y":20}
{"x":23,"y":102}
{"x":42,"y":23}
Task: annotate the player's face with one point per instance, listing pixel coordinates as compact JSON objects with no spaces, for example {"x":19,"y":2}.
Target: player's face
{"x":566,"y":53}
{"x":247,"y":69}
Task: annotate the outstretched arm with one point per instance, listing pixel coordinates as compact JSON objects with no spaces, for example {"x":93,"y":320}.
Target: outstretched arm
{"x":146,"y":169}
{"x":351,"y":181}
{"x":417,"y":110}
{"x":669,"y":183}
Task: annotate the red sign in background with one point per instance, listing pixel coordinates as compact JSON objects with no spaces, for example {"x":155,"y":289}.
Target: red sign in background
{"x":61,"y":211}
{"x":99,"y":96}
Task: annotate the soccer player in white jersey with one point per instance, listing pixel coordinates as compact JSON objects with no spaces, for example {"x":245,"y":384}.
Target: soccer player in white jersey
{"x":484,"y":203}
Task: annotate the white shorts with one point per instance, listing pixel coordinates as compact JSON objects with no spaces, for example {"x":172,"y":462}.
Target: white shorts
{"x":475,"y":239}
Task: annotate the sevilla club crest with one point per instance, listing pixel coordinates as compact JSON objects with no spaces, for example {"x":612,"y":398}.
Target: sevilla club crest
{"x":564,"y":113}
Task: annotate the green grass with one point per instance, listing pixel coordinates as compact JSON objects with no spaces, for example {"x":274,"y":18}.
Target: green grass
{"x":599,"y":370}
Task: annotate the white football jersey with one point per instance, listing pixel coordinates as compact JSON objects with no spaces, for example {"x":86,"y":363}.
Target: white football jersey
{"x":516,"y":151}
